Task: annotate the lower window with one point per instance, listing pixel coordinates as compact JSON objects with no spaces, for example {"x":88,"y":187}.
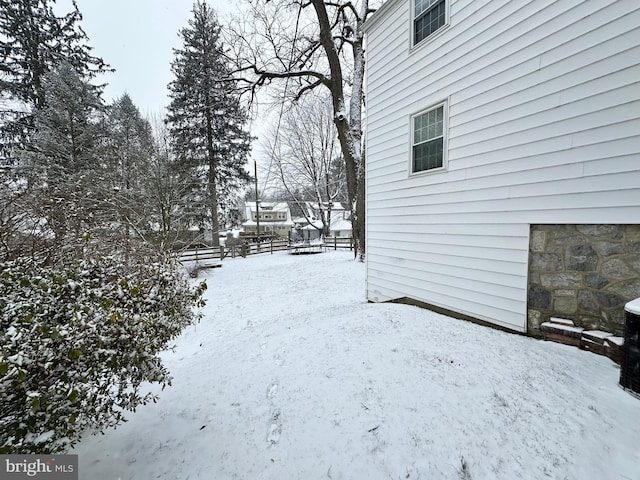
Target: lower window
{"x":428,"y":139}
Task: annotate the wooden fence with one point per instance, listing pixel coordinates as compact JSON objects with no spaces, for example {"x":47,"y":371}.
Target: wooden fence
{"x":339,"y":242}
{"x":209,"y":255}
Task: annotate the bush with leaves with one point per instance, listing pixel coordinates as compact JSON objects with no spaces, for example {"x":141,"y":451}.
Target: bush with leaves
{"x":80,"y":341}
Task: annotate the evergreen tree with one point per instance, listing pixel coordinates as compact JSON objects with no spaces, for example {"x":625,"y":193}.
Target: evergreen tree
{"x":129,"y":147}
{"x":63,"y":161}
{"x":33,"y":41}
{"x":129,"y":143}
{"x":206,"y":120}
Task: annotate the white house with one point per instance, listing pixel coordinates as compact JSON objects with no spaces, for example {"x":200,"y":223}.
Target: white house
{"x":503,"y":158}
{"x":275,"y":218}
{"x":339,"y":226}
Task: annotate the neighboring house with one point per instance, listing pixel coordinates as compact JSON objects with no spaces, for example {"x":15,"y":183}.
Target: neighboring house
{"x":503,"y":158}
{"x":340,"y":227}
{"x":340,"y":224}
{"x":275,"y":218}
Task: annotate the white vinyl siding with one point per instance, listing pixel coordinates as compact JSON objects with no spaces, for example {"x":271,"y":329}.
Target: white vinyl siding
{"x":543,"y":127}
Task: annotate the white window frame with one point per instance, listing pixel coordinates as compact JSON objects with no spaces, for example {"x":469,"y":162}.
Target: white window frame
{"x":434,"y":34}
{"x":445,"y":138}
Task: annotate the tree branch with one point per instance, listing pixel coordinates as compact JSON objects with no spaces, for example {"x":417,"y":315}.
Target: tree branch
{"x":307,"y":88}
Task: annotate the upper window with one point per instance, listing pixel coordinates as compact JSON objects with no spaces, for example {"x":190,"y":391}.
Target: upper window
{"x":428,"y":17}
{"x":428,"y":140}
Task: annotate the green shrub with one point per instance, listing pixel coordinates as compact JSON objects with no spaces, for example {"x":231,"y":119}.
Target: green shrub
{"x":79,"y":341}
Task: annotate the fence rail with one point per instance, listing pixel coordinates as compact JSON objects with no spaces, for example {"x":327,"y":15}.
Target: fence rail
{"x":206,"y":255}
{"x":339,"y":242}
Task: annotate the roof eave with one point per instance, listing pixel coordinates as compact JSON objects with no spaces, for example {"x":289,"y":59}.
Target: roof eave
{"x":379,"y":14}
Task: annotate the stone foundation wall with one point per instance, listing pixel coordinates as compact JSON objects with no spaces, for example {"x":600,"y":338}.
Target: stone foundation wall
{"x":585,"y":273}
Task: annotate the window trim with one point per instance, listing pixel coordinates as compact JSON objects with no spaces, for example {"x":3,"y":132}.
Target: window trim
{"x":412,"y":44}
{"x":445,"y":138}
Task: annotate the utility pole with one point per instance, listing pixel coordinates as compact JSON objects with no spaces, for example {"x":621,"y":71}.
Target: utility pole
{"x":255,"y":170}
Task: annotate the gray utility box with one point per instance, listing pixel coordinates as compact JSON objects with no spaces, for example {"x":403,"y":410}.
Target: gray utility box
{"x":630,"y":367}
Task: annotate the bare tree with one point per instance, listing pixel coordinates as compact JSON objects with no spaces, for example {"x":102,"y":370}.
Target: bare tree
{"x":150,"y":193}
{"x":169,"y":187}
{"x":305,"y":150}
{"x":310,"y":44}
{"x":20,"y":233}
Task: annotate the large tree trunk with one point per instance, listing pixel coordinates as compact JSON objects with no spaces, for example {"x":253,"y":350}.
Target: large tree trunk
{"x":355,"y":120}
{"x":213,"y":202}
{"x":348,"y":124}
{"x":344,"y":28}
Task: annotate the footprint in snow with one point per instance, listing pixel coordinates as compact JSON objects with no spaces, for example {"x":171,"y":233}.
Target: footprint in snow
{"x":275,"y":429}
{"x":272,"y":390}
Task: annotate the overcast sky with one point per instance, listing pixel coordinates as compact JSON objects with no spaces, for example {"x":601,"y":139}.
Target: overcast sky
{"x":136,"y":37}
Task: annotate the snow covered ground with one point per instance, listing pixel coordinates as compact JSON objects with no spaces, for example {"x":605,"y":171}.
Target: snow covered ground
{"x":293,"y":375}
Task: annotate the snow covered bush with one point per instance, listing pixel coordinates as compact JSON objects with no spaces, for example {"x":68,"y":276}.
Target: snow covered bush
{"x":79,"y":342}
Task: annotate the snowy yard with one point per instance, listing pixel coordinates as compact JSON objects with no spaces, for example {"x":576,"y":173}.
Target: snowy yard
{"x":293,"y":375}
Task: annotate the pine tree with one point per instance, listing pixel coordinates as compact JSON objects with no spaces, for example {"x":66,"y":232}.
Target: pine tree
{"x":129,"y":147}
{"x":129,"y":143}
{"x":63,"y":157}
{"x":206,"y":120}
{"x":33,"y":41}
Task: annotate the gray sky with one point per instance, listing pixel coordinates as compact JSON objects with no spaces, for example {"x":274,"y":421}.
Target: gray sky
{"x":136,"y":37}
